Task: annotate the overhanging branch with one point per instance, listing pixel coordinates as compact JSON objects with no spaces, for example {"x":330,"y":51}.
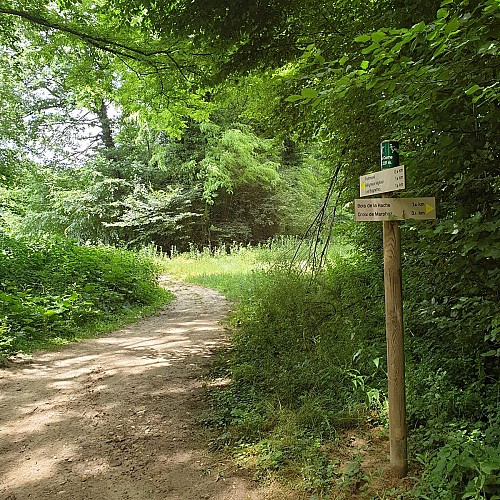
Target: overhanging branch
{"x":112,"y":46}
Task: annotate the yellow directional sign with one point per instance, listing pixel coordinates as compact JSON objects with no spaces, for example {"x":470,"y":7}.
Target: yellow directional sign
{"x":383,"y":181}
{"x":378,"y":209}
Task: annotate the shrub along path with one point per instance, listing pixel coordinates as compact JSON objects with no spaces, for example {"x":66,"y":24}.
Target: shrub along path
{"x":118,"y":417}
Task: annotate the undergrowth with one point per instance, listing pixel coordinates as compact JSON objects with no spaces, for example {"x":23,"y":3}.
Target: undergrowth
{"x":53,"y":291}
{"x":307,"y":353}
{"x":307,"y":364}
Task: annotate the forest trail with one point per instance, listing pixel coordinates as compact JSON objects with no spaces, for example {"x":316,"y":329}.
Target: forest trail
{"x":118,"y":417}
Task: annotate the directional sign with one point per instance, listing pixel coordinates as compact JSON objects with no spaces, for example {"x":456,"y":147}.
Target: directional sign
{"x":383,"y":181}
{"x":376,"y":209}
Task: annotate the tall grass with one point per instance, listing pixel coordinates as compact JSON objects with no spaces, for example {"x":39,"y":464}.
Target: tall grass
{"x":230,"y":269}
{"x":306,"y":358}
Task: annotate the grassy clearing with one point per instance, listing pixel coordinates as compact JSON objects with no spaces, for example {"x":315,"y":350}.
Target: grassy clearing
{"x":228,"y":273}
{"x":231,"y":270}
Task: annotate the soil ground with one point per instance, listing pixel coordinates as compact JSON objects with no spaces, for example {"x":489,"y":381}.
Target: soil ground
{"x":118,"y":417}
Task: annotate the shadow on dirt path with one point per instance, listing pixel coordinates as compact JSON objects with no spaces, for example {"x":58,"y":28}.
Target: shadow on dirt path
{"x":117,"y":417}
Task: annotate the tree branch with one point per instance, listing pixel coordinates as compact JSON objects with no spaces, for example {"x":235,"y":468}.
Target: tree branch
{"x":112,"y":46}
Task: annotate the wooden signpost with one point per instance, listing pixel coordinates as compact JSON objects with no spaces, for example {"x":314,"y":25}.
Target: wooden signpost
{"x":391,"y":211}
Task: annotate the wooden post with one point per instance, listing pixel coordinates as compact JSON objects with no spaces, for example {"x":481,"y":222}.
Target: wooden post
{"x":395,"y":348}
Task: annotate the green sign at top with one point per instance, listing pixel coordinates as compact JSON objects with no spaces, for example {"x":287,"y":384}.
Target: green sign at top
{"x":389,"y":154}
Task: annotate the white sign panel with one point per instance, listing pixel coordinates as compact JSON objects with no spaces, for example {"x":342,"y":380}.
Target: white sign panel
{"x":377,"y":209}
{"x":384,"y":181}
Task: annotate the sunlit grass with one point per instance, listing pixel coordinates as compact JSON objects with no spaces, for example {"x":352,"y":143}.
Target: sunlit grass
{"x":229,"y":273}
{"x":230,"y":270}
{"x":190,"y":266}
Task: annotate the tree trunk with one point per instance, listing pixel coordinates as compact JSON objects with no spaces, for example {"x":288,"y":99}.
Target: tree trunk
{"x":107,"y":133}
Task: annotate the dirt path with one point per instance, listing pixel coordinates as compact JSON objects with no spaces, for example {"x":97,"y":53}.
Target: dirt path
{"x":118,"y":417}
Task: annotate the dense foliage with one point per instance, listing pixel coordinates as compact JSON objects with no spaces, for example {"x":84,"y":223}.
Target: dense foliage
{"x":52,"y":290}
{"x":214,"y":186}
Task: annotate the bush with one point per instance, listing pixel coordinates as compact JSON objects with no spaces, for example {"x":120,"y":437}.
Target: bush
{"x":309,"y":339}
{"x":466,"y":467}
{"x":51,"y":288}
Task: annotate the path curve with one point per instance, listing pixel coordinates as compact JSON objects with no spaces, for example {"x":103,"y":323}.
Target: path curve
{"x":118,"y":417}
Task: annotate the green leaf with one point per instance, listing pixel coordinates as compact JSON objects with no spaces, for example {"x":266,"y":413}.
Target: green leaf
{"x":417,"y":28}
{"x":363,"y":38}
{"x":319,"y":59}
{"x":453,"y":25}
{"x":473,"y":89}
{"x":442,"y":13}
{"x":309,"y":93}
{"x":489,"y":353}
{"x":371,"y":48}
{"x":365,"y":64}
{"x":343,"y":60}
{"x":378,"y":35}
{"x":439,"y":50}
{"x":432,"y":35}
{"x":489,"y":467}
{"x":294,"y":98}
